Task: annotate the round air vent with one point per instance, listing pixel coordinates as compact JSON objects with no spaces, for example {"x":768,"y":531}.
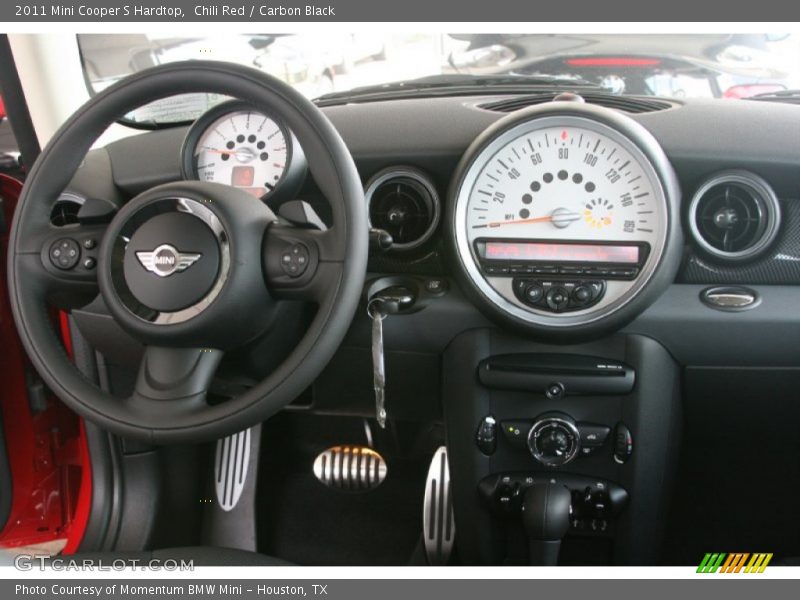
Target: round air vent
{"x":403,"y":201}
{"x":65,"y":210}
{"x":734,"y":215}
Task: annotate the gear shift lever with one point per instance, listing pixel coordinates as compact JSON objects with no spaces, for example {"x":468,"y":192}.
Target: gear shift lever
{"x":545,"y":516}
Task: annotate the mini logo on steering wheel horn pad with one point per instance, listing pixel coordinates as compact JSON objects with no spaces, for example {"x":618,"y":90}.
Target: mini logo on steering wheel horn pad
{"x":166,"y":260}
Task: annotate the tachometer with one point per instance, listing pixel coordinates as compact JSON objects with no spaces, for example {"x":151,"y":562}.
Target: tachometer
{"x":241,"y":147}
{"x":563,"y":214}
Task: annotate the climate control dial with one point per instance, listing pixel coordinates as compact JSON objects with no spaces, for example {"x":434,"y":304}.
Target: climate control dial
{"x":554,"y":440}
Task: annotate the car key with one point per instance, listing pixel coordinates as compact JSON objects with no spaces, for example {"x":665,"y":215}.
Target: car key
{"x":376,"y":311}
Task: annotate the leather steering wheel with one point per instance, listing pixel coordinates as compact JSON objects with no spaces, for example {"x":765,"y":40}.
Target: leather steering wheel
{"x":188,"y":316}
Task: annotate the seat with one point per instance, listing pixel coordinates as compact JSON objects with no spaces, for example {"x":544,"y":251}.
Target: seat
{"x":201,"y":556}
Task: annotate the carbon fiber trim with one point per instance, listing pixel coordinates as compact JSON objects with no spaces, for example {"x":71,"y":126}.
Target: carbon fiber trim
{"x":778,"y":265}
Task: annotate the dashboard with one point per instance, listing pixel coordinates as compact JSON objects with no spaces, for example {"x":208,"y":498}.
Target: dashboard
{"x":546,"y":220}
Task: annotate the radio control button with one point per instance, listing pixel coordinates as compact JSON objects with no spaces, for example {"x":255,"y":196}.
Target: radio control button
{"x":581,"y":294}
{"x":545,"y":270}
{"x":596,"y":287}
{"x":571,"y":270}
{"x":557,"y":298}
{"x":623,"y":272}
{"x":534,"y":293}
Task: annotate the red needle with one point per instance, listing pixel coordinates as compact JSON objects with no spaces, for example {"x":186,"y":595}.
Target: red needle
{"x":215,"y":151}
{"x":519,"y":221}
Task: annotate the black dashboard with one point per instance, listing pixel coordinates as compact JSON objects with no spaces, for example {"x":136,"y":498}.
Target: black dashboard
{"x":710,"y":143}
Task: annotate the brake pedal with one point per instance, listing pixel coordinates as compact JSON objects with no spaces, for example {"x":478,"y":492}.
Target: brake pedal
{"x":350,"y":468}
{"x":439,"y":527}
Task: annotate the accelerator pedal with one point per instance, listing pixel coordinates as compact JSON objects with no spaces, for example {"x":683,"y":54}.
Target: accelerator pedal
{"x":439,"y":528}
{"x":350,"y":468}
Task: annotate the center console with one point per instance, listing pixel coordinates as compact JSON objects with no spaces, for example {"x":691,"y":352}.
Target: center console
{"x":585,"y":435}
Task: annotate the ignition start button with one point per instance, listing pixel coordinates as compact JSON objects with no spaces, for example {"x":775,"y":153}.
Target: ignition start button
{"x":65,"y":253}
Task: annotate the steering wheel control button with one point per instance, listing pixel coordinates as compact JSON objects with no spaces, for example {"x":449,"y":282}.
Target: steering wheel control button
{"x":65,"y":254}
{"x":89,"y":263}
{"x":90,"y":243}
{"x":294,"y":259}
{"x":171,"y":262}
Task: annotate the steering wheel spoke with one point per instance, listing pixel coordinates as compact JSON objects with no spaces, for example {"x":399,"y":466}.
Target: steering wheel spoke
{"x":179,"y":377}
{"x":300,"y":263}
{"x":66,"y":264}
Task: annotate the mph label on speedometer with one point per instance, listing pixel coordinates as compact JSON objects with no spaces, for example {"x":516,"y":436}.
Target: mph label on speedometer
{"x":563,"y":183}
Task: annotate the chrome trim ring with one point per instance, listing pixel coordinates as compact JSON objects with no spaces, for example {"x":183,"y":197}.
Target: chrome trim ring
{"x":619,"y":293}
{"x":409,"y":173}
{"x":184,"y":205}
{"x":554,"y":462}
{"x":766,"y":199}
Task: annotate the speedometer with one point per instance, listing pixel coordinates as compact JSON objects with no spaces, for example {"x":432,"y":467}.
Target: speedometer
{"x":562,"y":214}
{"x":236,"y":145}
{"x":565,"y":181}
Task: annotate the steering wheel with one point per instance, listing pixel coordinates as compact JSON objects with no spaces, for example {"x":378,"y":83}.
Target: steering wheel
{"x":189,"y":269}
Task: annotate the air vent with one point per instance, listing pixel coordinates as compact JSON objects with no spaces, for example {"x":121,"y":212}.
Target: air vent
{"x":734,"y":215}
{"x":65,"y":210}
{"x":403,"y":201}
{"x":629,"y":104}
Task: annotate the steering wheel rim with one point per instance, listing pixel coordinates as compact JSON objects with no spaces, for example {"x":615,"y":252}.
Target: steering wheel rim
{"x":331,"y":166}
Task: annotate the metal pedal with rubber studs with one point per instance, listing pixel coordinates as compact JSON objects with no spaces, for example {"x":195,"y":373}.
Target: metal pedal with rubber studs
{"x":350,"y":468}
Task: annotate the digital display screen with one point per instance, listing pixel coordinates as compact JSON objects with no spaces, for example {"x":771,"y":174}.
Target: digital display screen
{"x":242,"y":176}
{"x":549,"y":252}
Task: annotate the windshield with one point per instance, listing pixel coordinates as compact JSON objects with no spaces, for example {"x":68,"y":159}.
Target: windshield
{"x":674,"y":66}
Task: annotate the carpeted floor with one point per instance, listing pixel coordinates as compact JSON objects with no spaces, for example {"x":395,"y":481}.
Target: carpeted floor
{"x":305,"y":522}
{"x":739,"y":479}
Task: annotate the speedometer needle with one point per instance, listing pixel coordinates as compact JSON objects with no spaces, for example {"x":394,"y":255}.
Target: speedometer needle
{"x":216,"y":151}
{"x":560,"y":217}
{"x":520,"y":221}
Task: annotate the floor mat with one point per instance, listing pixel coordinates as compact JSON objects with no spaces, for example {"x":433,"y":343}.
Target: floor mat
{"x":739,"y":475}
{"x":303,"y":521}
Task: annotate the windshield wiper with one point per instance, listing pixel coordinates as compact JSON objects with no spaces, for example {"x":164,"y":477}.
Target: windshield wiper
{"x":788,"y":96}
{"x":452,"y":85}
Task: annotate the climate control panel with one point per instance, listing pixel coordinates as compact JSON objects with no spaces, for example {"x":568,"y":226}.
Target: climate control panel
{"x":554,"y":438}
